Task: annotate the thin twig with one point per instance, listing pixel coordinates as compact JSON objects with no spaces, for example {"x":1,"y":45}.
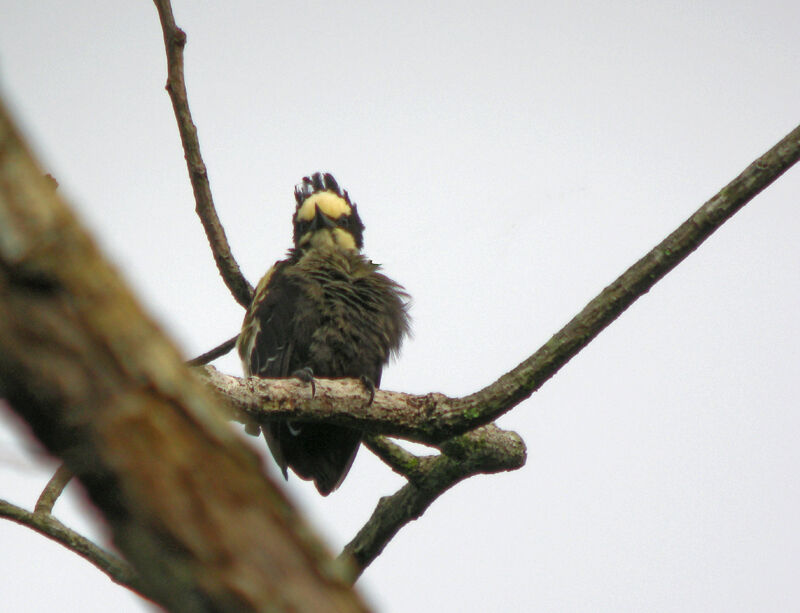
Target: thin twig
{"x":45,"y":524}
{"x":214,"y":353}
{"x":174,"y":42}
{"x":53,"y":490}
{"x":403,"y":462}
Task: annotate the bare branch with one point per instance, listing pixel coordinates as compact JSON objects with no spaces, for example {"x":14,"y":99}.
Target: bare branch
{"x":515,"y":386}
{"x":339,"y":401}
{"x":485,"y":450}
{"x":174,"y":42}
{"x":45,"y":524}
{"x":53,"y":490}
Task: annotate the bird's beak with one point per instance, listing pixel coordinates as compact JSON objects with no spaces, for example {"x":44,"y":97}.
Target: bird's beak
{"x":321,"y":220}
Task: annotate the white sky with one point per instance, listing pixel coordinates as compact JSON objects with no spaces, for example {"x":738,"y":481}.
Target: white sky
{"x":509,"y":162}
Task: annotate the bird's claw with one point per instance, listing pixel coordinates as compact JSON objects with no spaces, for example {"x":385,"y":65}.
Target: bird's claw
{"x":370,"y":387}
{"x":306,"y":375}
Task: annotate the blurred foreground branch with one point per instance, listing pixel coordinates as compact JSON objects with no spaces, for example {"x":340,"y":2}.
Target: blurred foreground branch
{"x":101,"y":387}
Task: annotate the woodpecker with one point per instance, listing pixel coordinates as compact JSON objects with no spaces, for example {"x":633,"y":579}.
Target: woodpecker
{"x":326,"y":311}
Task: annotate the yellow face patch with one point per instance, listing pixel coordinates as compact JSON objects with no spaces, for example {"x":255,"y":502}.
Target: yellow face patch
{"x":344,"y":239}
{"x":333,"y":205}
{"x":329,"y":238}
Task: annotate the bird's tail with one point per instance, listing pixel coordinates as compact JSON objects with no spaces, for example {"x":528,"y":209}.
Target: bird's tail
{"x":317,"y":452}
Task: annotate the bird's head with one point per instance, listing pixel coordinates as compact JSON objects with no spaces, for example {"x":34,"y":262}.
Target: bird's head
{"x":325,"y":216}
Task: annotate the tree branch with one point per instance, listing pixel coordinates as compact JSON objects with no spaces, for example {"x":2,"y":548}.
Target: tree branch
{"x":518,"y":384}
{"x":340,"y":401}
{"x":174,"y":42}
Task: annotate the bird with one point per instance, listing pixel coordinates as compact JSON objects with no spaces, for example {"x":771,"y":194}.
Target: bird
{"x":325,"y":310}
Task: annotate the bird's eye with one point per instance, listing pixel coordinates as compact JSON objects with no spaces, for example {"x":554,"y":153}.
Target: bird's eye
{"x":344,"y":222}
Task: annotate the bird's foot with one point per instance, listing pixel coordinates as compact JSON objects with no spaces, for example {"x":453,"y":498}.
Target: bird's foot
{"x":306,"y":375}
{"x":369,"y":386}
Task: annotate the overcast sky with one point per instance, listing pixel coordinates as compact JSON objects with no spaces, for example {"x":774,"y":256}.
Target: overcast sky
{"x":509,"y":161}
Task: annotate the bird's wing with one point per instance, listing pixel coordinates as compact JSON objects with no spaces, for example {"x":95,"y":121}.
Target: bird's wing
{"x":265,"y":343}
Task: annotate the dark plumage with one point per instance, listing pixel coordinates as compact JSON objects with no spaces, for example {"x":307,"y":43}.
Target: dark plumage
{"x":325,"y":308}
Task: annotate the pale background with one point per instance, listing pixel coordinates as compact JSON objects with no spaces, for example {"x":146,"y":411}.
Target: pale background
{"x":509,"y":162}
